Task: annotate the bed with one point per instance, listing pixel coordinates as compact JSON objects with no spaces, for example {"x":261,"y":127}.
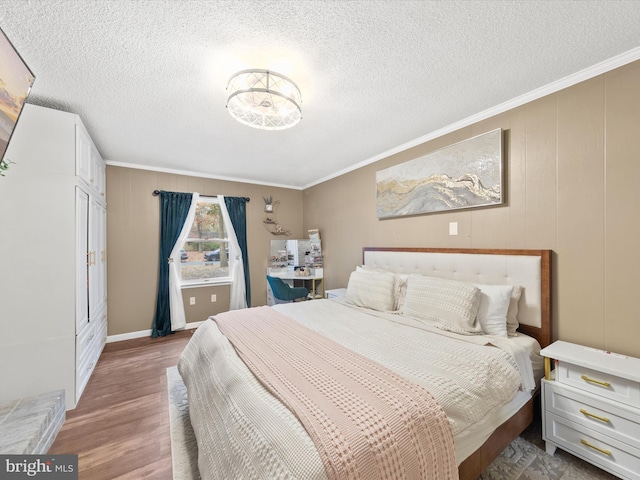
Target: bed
{"x":244,"y":431}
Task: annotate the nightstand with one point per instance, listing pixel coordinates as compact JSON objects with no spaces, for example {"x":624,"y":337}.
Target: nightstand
{"x":591,"y":407}
{"x":336,"y":293}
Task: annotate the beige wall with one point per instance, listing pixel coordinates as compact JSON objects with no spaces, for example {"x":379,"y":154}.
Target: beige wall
{"x":572,"y":163}
{"x":133,"y":224}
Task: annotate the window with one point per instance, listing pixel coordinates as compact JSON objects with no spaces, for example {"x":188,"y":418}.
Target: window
{"x":205,"y":254}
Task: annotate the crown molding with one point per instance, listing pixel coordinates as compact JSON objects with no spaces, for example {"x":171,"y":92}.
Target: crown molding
{"x":553,"y":87}
{"x":198,"y":174}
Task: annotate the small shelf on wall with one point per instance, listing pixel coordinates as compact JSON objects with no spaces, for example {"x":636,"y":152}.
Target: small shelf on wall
{"x":270,"y":220}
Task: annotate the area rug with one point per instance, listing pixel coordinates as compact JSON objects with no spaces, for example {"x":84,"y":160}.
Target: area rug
{"x":184,"y":450}
{"x":522,"y":460}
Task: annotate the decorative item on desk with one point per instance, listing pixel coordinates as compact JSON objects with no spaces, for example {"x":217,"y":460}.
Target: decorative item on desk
{"x":313,"y":257}
{"x":278,"y":260}
{"x":302,"y":272}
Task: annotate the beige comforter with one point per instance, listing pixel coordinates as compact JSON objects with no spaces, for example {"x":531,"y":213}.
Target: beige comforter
{"x":244,"y":432}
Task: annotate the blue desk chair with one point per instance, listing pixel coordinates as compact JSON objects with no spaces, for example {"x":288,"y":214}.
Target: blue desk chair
{"x":285,"y":293}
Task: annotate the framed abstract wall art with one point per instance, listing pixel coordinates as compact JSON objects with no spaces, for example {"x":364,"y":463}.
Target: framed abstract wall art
{"x":464,"y":175}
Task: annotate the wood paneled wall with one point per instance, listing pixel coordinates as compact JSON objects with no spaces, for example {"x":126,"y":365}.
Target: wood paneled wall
{"x":572,"y":160}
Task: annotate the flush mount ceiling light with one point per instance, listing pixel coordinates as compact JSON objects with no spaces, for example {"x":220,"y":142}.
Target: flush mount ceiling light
{"x":264,"y":99}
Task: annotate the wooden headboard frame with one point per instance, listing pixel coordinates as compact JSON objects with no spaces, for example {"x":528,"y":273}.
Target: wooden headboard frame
{"x":493,"y":269}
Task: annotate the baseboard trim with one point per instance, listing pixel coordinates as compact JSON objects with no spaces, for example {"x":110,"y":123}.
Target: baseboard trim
{"x":144,"y":333}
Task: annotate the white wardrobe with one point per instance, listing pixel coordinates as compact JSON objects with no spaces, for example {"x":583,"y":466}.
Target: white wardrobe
{"x":53,"y":289}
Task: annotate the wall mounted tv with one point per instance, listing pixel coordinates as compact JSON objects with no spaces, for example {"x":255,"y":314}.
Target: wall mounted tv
{"x":15,"y":84}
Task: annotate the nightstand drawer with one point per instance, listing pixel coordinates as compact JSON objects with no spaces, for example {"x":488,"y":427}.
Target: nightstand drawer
{"x":588,"y":410}
{"x":593,"y":447}
{"x":599,"y":383}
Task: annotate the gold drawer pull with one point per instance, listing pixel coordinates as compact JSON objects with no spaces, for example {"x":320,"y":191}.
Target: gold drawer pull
{"x":602,"y":419}
{"x":606,"y":452}
{"x":587,"y":379}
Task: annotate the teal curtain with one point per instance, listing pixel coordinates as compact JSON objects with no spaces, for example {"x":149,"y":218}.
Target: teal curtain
{"x":174,"y":208}
{"x":237,"y":208}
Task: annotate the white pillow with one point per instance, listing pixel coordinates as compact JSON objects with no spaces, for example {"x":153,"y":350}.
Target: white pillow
{"x":512,"y":313}
{"x":494,"y":304}
{"x":400,"y":286}
{"x":446,"y":304}
{"x":372,"y":290}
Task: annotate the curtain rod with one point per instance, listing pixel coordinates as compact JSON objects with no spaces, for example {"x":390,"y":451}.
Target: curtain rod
{"x":157,"y":192}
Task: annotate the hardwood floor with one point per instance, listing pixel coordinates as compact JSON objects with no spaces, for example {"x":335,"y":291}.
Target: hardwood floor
{"x":120,"y":428}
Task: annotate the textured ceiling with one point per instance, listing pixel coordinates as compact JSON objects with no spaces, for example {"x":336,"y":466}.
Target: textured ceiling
{"x":148,"y":77}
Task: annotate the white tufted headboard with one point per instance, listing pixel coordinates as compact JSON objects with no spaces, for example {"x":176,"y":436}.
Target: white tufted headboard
{"x":529,"y":268}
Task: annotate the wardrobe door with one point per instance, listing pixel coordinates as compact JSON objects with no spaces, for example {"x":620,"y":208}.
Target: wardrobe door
{"x":83,"y":259}
{"x":96,"y":295}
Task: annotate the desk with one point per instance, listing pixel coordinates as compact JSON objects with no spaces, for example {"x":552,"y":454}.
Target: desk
{"x":291,"y":278}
